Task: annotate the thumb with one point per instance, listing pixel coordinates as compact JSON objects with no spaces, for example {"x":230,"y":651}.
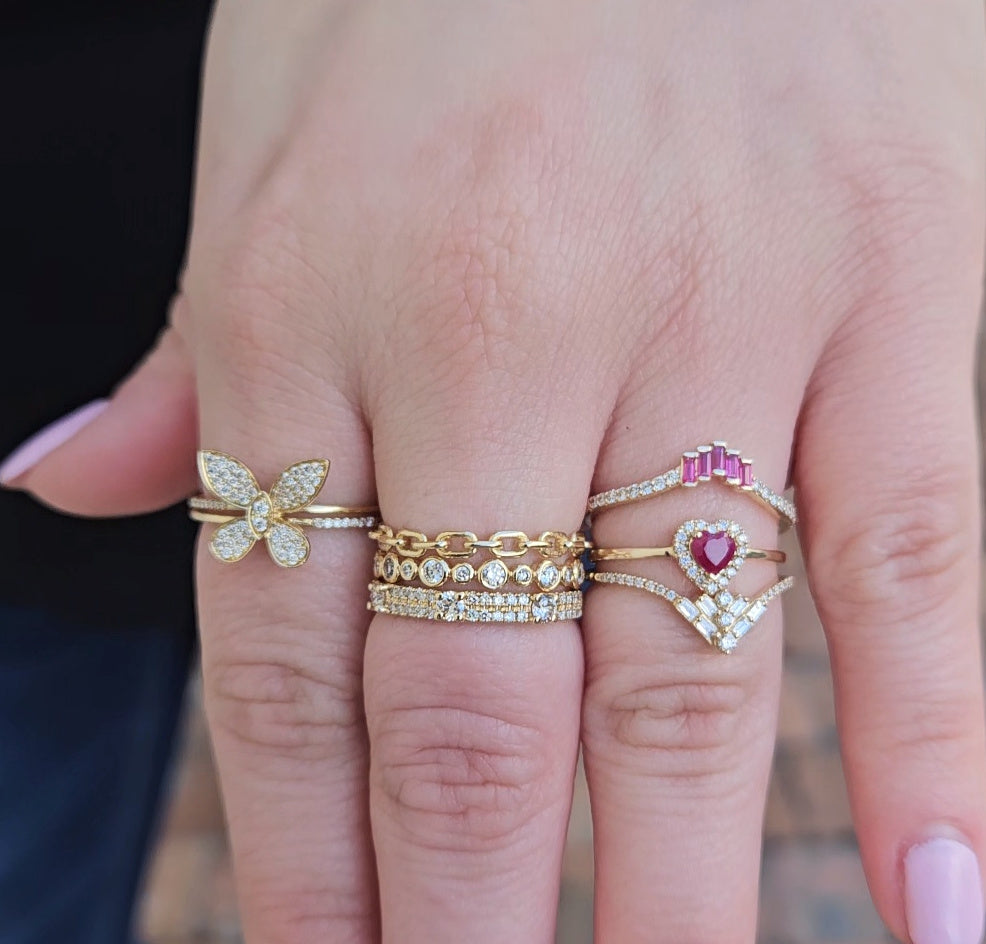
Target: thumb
{"x":132,"y":453}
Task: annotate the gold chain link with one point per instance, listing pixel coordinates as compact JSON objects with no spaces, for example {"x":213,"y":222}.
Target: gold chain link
{"x":457,"y":545}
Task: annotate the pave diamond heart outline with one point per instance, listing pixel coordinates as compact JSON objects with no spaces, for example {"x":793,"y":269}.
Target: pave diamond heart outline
{"x":710,"y":554}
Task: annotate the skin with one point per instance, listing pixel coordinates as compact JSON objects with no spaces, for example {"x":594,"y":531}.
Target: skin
{"x":489,"y":257}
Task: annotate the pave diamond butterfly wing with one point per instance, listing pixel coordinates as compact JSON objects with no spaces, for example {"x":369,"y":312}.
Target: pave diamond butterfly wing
{"x":298,"y":485}
{"x":227,"y":478}
{"x":295,"y":488}
{"x":232,"y":541}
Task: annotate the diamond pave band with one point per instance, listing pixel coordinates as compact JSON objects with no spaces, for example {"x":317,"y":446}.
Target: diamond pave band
{"x":707,"y":463}
{"x":474,"y":606}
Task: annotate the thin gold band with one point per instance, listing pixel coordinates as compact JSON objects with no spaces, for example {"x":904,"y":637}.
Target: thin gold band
{"x":351,"y":520}
{"x":202,"y":503}
{"x":642,"y":553}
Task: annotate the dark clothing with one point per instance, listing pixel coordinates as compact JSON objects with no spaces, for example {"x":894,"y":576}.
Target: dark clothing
{"x":86,"y":728}
{"x":96,"y":617}
{"x":99,"y":114}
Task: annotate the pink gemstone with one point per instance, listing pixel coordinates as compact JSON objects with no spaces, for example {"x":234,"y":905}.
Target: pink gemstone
{"x":718,"y":458}
{"x":704,"y":464}
{"x":713,"y":551}
{"x":733,"y":466}
{"x":746,"y":473}
{"x":689,"y":468}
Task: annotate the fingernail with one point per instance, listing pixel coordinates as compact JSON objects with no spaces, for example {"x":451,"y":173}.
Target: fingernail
{"x":943,"y":893}
{"x":33,"y":450}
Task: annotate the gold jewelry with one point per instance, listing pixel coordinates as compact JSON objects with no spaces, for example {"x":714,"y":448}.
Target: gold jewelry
{"x":202,"y":503}
{"x":642,"y":553}
{"x":474,"y":606}
{"x":705,"y":464}
{"x":722,"y":620}
{"x":456,"y":545}
{"x":258,"y":515}
{"x":494,"y":574}
{"x":710,"y":555}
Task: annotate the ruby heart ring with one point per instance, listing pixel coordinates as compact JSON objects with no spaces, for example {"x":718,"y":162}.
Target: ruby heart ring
{"x":710,"y":555}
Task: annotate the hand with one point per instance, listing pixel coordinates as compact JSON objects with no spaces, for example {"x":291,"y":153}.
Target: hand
{"x":490,"y":257}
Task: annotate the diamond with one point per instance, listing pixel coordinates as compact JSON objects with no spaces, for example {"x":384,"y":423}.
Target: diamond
{"x":523,"y":574}
{"x":706,"y":605}
{"x":543,"y":607}
{"x":232,"y":541}
{"x":726,"y":643}
{"x":433,"y":571}
{"x":228,"y":478}
{"x":259,"y":514}
{"x":287,"y":545}
{"x":463,"y":573}
{"x":548,"y":576}
{"x":298,"y":484}
{"x":686,"y":608}
{"x":706,"y":628}
{"x":741,"y":628}
{"x":390,"y":568}
{"x":408,"y":569}
{"x":493,"y":574}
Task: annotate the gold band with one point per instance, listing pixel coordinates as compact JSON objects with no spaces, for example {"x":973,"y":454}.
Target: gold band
{"x":474,"y":606}
{"x":462,"y":545}
{"x":204,"y":503}
{"x":494,"y":574}
{"x":326,"y":523}
{"x":643,"y":553}
{"x":722,"y":619}
{"x":712,"y":462}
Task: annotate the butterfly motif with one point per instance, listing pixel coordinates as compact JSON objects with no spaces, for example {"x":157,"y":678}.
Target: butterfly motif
{"x":230,"y":480}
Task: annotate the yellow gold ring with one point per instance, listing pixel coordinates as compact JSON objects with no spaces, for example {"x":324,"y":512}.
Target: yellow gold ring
{"x":268,"y":516}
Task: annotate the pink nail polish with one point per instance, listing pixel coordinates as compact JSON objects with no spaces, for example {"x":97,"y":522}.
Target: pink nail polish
{"x":33,"y":450}
{"x":943,"y":893}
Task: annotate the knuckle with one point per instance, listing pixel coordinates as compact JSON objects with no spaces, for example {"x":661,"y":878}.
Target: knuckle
{"x":456,"y":779}
{"x":285,"y":704}
{"x":698,"y":723}
{"x":901,"y":561}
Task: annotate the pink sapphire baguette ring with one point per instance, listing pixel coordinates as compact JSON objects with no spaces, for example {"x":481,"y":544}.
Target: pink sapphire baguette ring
{"x":710,"y":554}
{"x":710,"y":463}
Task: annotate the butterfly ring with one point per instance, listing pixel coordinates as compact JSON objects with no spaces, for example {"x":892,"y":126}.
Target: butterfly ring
{"x":248,"y":514}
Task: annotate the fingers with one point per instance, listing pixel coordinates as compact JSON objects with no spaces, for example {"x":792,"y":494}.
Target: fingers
{"x":134,"y":453}
{"x":474,"y":728}
{"x":888,"y":475}
{"x":282,"y":650}
{"x":677,"y":736}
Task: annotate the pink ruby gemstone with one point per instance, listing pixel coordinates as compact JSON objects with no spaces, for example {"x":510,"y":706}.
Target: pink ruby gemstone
{"x":705,"y":464}
{"x":732,"y":466}
{"x":689,"y":471}
{"x":718,"y":458}
{"x":713,"y":551}
{"x":746,"y":473}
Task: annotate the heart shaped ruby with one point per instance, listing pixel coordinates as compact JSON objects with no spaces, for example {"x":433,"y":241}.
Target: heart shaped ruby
{"x":713,"y":551}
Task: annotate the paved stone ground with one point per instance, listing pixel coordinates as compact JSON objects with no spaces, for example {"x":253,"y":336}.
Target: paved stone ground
{"x":813,"y":887}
